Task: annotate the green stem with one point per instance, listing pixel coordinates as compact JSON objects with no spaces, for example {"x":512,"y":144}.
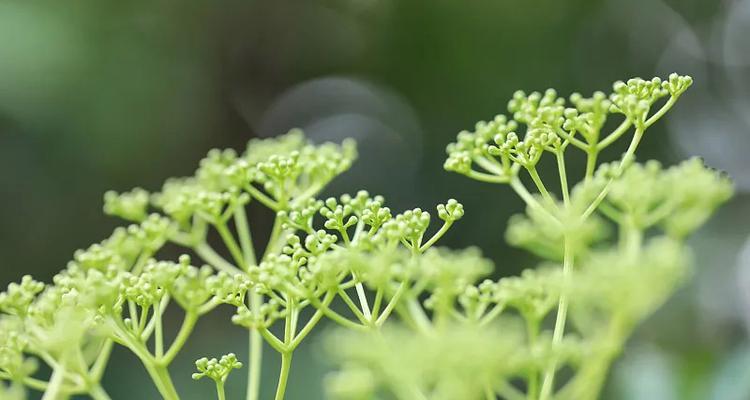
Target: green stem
{"x":418,"y":314}
{"x":187,"y":327}
{"x":619,"y":131}
{"x":261,"y":197}
{"x":661,"y":111}
{"x":210,"y":256}
{"x":631,"y":238}
{"x":353,"y":307}
{"x":530,"y":201}
{"x":97,"y":369}
{"x":220,"y":390}
{"x":162,"y":380}
{"x":231,"y":244}
{"x":540,"y":185}
{"x":286,"y":364}
{"x":336,"y":317}
{"x":532,"y":331}
{"x":246,"y":239}
{"x":436,"y":236}
{"x":363,"y":301}
{"x":591,"y":156}
{"x":98,"y":393}
{"x":158,"y":332}
{"x":563,"y":176}
{"x":559,"y":331}
{"x":55,"y":387}
{"x":275,"y":233}
{"x":626,"y":158}
{"x":484,"y":177}
{"x":311,"y":323}
{"x":255,"y":354}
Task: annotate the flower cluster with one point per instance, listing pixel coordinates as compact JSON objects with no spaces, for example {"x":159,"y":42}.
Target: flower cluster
{"x":594,"y":284}
{"x":416,"y":321}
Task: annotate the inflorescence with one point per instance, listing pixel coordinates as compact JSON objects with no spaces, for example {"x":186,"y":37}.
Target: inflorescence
{"x":417,"y":322}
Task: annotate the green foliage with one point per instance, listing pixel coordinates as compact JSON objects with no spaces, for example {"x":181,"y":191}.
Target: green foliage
{"x":416,"y":322}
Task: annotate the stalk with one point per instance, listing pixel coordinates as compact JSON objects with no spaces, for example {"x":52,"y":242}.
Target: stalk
{"x":557,"y":335}
{"x":286,"y":364}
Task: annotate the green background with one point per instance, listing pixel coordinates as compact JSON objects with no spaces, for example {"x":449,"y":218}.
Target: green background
{"x":98,"y":95}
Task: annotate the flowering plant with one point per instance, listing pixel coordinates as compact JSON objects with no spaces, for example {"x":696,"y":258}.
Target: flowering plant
{"x":420,"y":322}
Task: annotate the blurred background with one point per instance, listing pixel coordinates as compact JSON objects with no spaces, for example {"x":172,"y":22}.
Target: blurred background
{"x":98,"y":95}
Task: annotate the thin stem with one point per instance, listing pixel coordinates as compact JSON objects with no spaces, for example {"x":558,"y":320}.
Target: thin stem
{"x":243,"y":231}
{"x":311,"y":323}
{"x":508,"y":392}
{"x":55,"y":386}
{"x":261,"y":197}
{"x":286,"y":364}
{"x":255,"y":355}
{"x":559,"y":331}
{"x":32,"y":383}
{"x":485,"y":177}
{"x":336,"y":317}
{"x":353,"y":307}
{"x":524,"y":194}
{"x":98,"y":393}
{"x":532,"y":332}
{"x":275,"y":233}
{"x":210,"y":256}
{"x":591,"y":155}
{"x":377,"y":303}
{"x":231,"y":244}
{"x":626,"y":158}
{"x":363,"y":301}
{"x":272,"y":340}
{"x":418,"y":315}
{"x":158,"y":332}
{"x":619,"y":131}
{"x":97,"y":369}
{"x":571,"y":139}
{"x":391,"y":304}
{"x":436,"y":236}
{"x":492,"y":314}
{"x":663,"y":110}
{"x":187,"y":327}
{"x":540,"y":185}
{"x":163,"y":381}
{"x":563,"y":176}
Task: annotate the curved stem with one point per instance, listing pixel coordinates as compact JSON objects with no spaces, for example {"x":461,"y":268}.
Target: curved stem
{"x":619,"y":131}
{"x":261,"y":197}
{"x":663,"y":110}
{"x":436,"y":236}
